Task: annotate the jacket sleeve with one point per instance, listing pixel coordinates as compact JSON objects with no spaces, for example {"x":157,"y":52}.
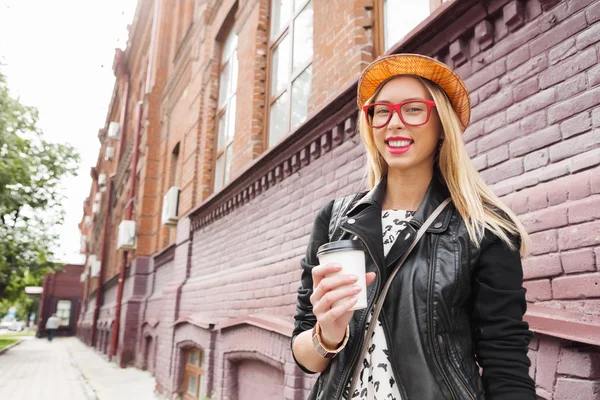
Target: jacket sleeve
{"x":304,"y":319}
{"x":501,"y":336}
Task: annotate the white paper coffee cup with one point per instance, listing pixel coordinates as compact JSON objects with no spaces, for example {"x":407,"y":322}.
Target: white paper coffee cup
{"x":350,"y":254}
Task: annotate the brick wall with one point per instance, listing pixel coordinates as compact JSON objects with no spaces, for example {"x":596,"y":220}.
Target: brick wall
{"x":564,"y":369}
{"x":61,"y":285}
{"x":531,"y":67}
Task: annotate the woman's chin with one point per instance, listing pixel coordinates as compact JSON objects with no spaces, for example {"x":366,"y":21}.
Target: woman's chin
{"x":400,"y":163}
{"x":403,"y":164}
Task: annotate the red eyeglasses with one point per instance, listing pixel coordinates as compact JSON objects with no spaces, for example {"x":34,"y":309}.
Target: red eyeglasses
{"x":411,"y":112}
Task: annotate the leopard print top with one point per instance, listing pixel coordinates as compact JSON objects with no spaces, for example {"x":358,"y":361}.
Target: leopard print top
{"x":376,"y":379}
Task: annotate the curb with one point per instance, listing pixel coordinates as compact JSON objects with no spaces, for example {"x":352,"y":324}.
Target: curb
{"x":10,"y":346}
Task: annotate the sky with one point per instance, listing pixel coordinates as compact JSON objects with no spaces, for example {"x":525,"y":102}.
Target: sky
{"x":58,"y":57}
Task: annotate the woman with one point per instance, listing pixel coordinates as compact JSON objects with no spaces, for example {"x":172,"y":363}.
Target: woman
{"x":456,"y":306}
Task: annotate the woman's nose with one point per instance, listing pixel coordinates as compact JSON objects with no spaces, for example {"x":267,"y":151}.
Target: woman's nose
{"x":395,"y":121}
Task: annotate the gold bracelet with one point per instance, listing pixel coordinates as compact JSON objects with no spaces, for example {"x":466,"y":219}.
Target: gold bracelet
{"x":321,"y":349}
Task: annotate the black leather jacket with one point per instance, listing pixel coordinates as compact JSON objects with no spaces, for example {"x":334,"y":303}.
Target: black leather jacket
{"x":452,"y":306}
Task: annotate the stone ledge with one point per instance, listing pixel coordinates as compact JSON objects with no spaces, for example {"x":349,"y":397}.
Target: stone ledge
{"x":562,"y":324}
{"x":263,"y":321}
{"x":152,"y":322}
{"x":198,"y":319}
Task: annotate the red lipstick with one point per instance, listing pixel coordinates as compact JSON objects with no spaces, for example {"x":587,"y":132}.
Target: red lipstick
{"x":398,"y":150}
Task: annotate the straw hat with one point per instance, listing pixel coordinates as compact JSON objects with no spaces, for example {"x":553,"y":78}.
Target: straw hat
{"x":386,"y":67}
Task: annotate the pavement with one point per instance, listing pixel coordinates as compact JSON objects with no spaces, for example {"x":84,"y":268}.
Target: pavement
{"x":66,"y":369}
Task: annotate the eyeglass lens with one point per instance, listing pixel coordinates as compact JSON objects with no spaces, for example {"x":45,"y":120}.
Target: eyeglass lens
{"x":414,"y":113}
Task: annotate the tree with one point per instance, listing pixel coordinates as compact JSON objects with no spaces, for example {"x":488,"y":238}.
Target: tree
{"x":31,"y":170}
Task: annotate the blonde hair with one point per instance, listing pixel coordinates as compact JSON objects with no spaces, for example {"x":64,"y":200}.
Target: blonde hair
{"x":478,"y":206}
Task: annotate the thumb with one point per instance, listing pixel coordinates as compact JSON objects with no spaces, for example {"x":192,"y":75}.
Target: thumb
{"x":370,"y":277}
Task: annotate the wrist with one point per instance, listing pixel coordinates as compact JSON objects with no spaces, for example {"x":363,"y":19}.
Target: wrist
{"x":328,"y":350}
{"x":330,"y":343}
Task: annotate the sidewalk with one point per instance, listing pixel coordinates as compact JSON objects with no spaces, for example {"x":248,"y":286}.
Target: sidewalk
{"x":66,"y":369}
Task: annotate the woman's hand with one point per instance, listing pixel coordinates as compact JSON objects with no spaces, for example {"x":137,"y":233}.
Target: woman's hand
{"x":326,"y":291}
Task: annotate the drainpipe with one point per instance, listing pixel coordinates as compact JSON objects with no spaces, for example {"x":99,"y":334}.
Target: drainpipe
{"x":99,"y":290}
{"x":132,"y":188}
{"x":122,"y":120}
{"x":84,"y":297}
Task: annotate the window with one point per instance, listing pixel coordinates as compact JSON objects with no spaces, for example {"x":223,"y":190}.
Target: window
{"x":174,"y":182}
{"x":291,"y":49}
{"x":396,"y":18}
{"x":193,"y":373}
{"x":63,"y":311}
{"x":175,"y":166}
{"x":226,"y":110}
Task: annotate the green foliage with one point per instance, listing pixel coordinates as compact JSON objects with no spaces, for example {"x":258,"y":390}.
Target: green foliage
{"x":31,"y":170}
{"x":7,"y":342}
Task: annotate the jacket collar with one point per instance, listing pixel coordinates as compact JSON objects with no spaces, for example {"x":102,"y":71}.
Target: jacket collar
{"x":364,"y":218}
{"x":436,"y":193}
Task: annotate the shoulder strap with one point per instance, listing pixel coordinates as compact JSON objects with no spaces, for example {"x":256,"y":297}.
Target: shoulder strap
{"x":379,"y":303}
{"x":340,"y":207}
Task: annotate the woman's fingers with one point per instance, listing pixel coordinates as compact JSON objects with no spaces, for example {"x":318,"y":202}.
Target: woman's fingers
{"x":370,"y":277}
{"x":326,"y":302}
{"x":321,"y":271}
{"x":331,"y":283}
{"x":338,"y":311}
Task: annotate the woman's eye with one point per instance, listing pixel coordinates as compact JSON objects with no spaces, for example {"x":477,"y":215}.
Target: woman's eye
{"x":381,"y":111}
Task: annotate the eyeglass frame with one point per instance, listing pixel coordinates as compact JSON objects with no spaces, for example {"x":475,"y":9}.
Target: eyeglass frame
{"x":398,"y":108}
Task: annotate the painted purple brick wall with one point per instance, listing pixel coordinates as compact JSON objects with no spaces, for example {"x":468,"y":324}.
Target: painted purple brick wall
{"x":532,"y":68}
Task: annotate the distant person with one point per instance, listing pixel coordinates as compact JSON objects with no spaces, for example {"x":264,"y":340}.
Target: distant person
{"x":52,"y":325}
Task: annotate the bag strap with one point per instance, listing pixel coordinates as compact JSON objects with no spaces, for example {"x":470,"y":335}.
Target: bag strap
{"x":379,"y":303}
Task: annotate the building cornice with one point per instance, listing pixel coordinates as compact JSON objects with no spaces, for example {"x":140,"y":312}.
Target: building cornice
{"x":324,"y":130}
{"x":164,"y":256}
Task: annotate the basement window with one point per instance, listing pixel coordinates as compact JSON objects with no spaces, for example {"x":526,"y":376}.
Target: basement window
{"x":193,"y":374}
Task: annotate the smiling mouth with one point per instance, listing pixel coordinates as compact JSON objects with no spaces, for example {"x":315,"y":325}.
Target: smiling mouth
{"x":399,"y":143}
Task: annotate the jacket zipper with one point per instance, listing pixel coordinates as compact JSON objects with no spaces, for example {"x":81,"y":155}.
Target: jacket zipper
{"x":361,"y":337}
{"x":460,"y":378}
{"x":430,"y":330}
{"x":430,"y":320}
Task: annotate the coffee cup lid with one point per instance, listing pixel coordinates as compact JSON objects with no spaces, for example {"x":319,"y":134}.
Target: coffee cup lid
{"x":340,"y":245}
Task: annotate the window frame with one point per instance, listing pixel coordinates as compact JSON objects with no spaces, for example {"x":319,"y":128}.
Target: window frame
{"x":224,"y":108}
{"x":192,"y":370}
{"x":175,"y":179}
{"x":379,"y":25}
{"x":273,"y":44}
{"x":175,"y":175}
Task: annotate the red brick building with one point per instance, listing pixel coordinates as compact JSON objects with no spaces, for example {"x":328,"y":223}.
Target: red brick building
{"x":232,"y":122}
{"x":61,"y":294}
